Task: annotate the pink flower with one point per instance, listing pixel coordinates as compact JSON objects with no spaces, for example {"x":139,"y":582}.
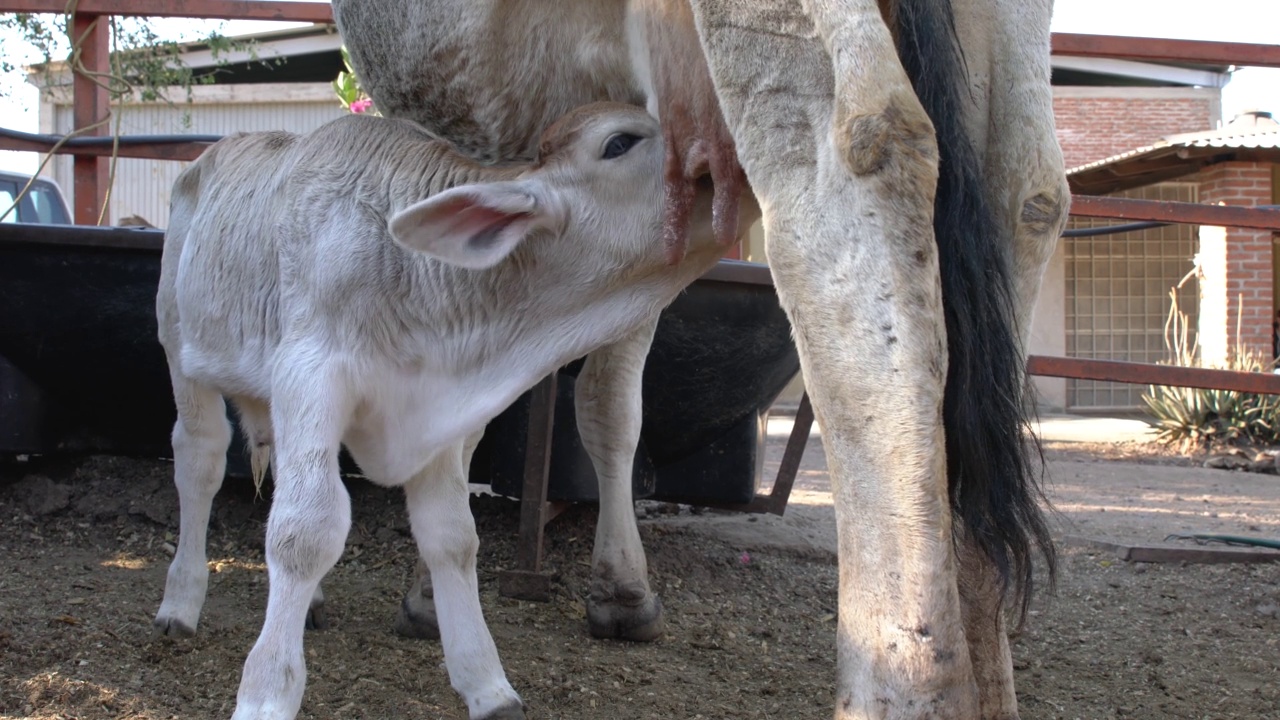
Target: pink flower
{"x":745,"y":558}
{"x":359,"y":106}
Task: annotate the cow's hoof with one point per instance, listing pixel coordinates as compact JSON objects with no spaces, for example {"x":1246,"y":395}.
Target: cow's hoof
{"x":620,"y":618}
{"x":172,"y":627}
{"x":317,"y":617}
{"x":513,"y":710}
{"x":418,"y":621}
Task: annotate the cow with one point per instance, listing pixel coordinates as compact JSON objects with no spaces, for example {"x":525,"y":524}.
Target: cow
{"x":912,"y":189}
{"x":366,"y":286}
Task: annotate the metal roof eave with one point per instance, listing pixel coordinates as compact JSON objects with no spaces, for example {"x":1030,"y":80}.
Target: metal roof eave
{"x":1155,"y":164}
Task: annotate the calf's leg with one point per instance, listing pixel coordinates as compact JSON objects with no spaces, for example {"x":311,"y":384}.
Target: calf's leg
{"x":306,"y":531}
{"x":417,"y":616}
{"x":255,"y":422}
{"x":440,"y":515}
{"x":200,"y":439}
{"x":608,"y":407}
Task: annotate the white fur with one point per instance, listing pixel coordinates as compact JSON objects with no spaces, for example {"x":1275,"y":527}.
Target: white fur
{"x":327,"y":277}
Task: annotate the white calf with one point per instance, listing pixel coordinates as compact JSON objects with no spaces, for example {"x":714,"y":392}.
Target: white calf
{"x":366,"y":286}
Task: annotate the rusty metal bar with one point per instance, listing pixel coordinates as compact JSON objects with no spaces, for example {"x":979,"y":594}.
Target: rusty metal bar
{"x":1166,"y":50}
{"x":1166,"y":554}
{"x":790,"y":464}
{"x":526,"y":582}
{"x":1164,"y":211}
{"x":537,"y":466}
{"x":92,"y":35}
{"x":1151,"y":374}
{"x":185,"y":151}
{"x":313,"y":12}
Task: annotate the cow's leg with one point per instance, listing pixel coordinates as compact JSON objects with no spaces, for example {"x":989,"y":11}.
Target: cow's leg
{"x":440,"y":515}
{"x":417,"y":616}
{"x":984,"y":624}
{"x":607,"y":403}
{"x":843,"y":159}
{"x":1023,"y":161}
{"x":306,"y":531}
{"x":200,"y":439}
{"x":255,"y":423}
{"x":1006,"y":51}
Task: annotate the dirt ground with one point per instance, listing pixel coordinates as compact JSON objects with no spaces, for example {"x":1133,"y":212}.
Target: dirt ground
{"x":750,"y":603}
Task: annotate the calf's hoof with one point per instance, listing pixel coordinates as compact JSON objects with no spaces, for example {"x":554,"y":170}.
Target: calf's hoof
{"x":513,"y":710}
{"x":171,"y":627}
{"x":619,"y":617}
{"x":418,"y":622}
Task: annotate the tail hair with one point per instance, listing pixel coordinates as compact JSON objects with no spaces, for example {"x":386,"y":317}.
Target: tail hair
{"x":993,"y":468}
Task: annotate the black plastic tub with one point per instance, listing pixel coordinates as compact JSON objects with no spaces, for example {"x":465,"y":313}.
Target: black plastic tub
{"x":81,"y":371}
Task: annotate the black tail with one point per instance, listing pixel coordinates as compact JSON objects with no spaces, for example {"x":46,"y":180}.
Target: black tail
{"x":992,"y":473}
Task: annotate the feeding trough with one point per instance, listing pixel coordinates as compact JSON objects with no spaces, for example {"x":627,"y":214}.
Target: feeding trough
{"x":81,"y":371}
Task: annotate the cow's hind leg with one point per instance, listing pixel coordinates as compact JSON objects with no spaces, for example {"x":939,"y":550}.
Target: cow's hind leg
{"x":845,"y":163}
{"x":440,"y":515}
{"x":306,"y":531}
{"x":417,"y":617}
{"x":200,"y":439}
{"x":1006,"y":50}
{"x":607,"y":403}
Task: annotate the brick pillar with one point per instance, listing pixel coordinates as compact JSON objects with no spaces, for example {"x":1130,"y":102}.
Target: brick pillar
{"x":1236,"y":290}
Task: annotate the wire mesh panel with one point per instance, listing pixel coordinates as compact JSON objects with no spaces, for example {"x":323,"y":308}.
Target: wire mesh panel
{"x":1117,"y":296}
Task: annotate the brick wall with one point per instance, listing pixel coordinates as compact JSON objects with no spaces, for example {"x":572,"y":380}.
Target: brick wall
{"x":1245,"y":295}
{"x":1097,"y":123}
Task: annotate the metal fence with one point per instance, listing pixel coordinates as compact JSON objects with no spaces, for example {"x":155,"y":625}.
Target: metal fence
{"x":91,"y":152}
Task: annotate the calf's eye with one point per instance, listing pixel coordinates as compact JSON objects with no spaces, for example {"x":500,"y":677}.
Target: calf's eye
{"x":618,"y":145}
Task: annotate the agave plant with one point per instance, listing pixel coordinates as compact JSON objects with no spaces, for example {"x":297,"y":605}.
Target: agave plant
{"x":1198,"y":418}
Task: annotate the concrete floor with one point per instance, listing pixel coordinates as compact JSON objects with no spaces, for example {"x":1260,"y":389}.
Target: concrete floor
{"x":1114,"y":501}
{"x":1080,"y":428}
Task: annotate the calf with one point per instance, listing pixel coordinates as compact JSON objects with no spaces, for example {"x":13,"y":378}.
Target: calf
{"x":365,"y":285}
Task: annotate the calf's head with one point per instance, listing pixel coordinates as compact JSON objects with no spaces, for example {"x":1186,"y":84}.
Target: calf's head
{"x":596,"y":192}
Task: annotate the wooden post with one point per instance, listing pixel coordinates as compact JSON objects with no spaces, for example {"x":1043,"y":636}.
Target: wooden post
{"x":526,"y":580}
{"x":90,"y":104}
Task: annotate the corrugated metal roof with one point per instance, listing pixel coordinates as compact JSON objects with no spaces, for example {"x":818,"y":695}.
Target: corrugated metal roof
{"x":1247,"y":130}
{"x":1251,"y":136}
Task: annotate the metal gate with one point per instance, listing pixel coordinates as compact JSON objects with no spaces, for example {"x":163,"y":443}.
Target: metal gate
{"x":1117,"y":296}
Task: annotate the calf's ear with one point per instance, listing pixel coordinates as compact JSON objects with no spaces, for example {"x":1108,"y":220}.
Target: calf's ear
{"x":475,"y":226}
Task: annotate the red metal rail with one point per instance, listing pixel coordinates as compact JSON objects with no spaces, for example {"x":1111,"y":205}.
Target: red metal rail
{"x":1176,"y":212}
{"x":1166,"y":50}
{"x":1151,"y":374}
{"x":151,"y":151}
{"x":91,"y":108}
{"x":313,"y":12}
